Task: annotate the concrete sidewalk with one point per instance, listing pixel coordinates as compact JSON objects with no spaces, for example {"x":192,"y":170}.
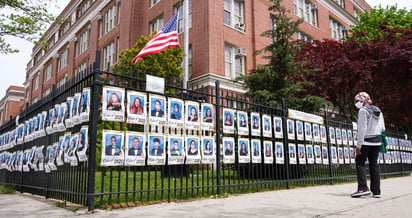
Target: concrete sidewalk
{"x":320,"y":201}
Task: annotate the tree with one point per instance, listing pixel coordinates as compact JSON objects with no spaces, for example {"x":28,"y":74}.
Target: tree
{"x":271,"y":82}
{"x":391,"y":17}
{"x":164,"y":64}
{"x":381,"y":67}
{"x":26,"y":19}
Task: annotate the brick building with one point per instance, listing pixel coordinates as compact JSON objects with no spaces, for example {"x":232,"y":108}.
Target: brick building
{"x":12,"y":103}
{"x":223,"y":35}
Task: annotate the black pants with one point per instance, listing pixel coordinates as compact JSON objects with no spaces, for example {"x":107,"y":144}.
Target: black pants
{"x":372,"y":153}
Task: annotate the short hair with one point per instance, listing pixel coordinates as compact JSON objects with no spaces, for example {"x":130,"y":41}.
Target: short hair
{"x":113,"y":137}
{"x":157,"y":100}
{"x":156,"y":140}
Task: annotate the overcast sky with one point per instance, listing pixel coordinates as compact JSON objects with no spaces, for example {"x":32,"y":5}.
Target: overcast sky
{"x":13,"y":65}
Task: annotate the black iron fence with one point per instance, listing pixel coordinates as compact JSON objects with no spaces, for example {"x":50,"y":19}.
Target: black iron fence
{"x":77,"y":144}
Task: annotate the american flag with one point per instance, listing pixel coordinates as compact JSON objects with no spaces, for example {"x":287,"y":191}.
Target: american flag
{"x":164,"y":39}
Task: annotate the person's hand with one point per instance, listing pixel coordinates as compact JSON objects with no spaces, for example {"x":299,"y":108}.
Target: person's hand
{"x":358,"y":151}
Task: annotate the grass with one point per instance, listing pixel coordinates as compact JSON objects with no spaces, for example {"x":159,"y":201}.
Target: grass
{"x":7,"y":189}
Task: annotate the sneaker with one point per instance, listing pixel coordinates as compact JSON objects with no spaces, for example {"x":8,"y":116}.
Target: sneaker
{"x":360,"y":193}
{"x":376,"y":196}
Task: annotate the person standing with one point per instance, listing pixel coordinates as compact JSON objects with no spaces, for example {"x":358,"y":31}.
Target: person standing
{"x":370,"y":126}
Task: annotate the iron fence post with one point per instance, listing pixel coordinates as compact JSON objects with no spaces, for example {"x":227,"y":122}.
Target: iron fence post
{"x":217,"y":89}
{"x":285,"y":142}
{"x":328,"y":143}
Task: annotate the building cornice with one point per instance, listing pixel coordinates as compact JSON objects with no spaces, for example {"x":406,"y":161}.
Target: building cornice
{"x":339,"y":12}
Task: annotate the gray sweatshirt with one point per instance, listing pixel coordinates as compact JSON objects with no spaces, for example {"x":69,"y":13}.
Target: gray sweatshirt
{"x":370,"y":125}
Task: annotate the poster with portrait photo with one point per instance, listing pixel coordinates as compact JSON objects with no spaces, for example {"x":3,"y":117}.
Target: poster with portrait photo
{"x":267,"y":126}
{"x":228,"y":121}
{"x":26,"y":160}
{"x":344,"y":137}
{"x":56,"y":119}
{"x":48,"y":158}
{"x":135,"y":154}
{"x":51,"y":152}
{"x":208,"y":150}
{"x":316,"y":132}
{"x":267,"y":152}
{"x":277,"y":123}
{"x":256,"y":148}
{"x":325,"y":155}
{"x":66,"y":146}
{"x":113,"y":104}
{"x":291,"y":129}
{"x":156,"y":150}
{"x":50,"y":121}
{"x":42,"y":124}
{"x":292,"y":153}
{"x":192,"y":150}
{"x":255,"y":123}
{"x":75,"y":108}
{"x":338,"y":136}
{"x":350,"y":137}
{"x":310,"y":154}
{"x":61,"y":116}
{"x":37,"y":121}
{"x":332,"y":137}
{"x":112,"y":148}
{"x":71,"y":153}
{"x":341,"y":159}
{"x":355,"y":137}
{"x":346,"y":154}
{"x":20,"y":133}
{"x":136,"y":107}
{"x":299,"y":129}
{"x":60,"y":151}
{"x":228,"y":150}
{"x":84,"y":108}
{"x":318,"y":154}
{"x":176,"y":151}
{"x":352,"y":155}
{"x":279,"y":153}
{"x":334,"y":154}
{"x":242,"y":123}
{"x":192,"y":119}
{"x":301,"y":154}
{"x":68,"y":116}
{"x":39,"y":158}
{"x":83,"y":143}
{"x":323,"y":135}
{"x":208,"y":116}
{"x":308,"y":131}
{"x":176,"y":112}
{"x":157,"y":115}
{"x":243,"y":150}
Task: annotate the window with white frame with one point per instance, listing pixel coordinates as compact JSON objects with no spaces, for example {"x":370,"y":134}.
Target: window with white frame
{"x":356,"y":13}
{"x":82,"y":67}
{"x":234,"y":61}
{"x":110,"y":19}
{"x":46,"y":92}
{"x":302,"y":36}
{"x":179,"y":10}
{"x":48,"y":72}
{"x":108,"y":55}
{"x":190,"y":62}
{"x":63,"y":59}
{"x":233,"y":14}
{"x":337,"y":30}
{"x":83,"y":42}
{"x":36,"y":83}
{"x":340,"y":3}
{"x":62,"y":81}
{"x":156,"y":25}
{"x":307,"y":11}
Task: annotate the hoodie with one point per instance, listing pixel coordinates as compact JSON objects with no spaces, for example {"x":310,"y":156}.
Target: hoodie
{"x":370,"y":126}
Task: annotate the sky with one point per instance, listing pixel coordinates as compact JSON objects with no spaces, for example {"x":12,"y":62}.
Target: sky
{"x":13,"y":66}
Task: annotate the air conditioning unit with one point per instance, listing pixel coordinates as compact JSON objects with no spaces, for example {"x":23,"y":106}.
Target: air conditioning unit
{"x":315,"y":7}
{"x":240,"y":52}
{"x":240,"y":26}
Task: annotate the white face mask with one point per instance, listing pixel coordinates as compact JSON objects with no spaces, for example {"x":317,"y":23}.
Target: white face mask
{"x":359,"y":105}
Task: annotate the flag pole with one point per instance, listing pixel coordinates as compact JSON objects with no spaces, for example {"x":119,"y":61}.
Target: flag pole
{"x":185,"y":43}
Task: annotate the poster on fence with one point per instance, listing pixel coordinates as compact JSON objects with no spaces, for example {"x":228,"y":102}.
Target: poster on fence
{"x":301,"y":154}
{"x":208,"y":150}
{"x":113,"y":104}
{"x":176,"y":151}
{"x":255,"y":123}
{"x":280,"y":158}
{"x":228,"y":121}
{"x":51,"y":157}
{"x":208,"y":116}
{"x":26,"y":160}
{"x":344,"y":137}
{"x":228,"y":150}
{"x":135,"y":154}
{"x":112,"y":148}
{"x":308,"y":131}
{"x":334,"y":155}
{"x":332,"y":137}
{"x":156,"y":150}
{"x":352,"y":155}
{"x":157,"y":115}
{"x":83,"y":143}
{"x":176,"y":111}
{"x":267,"y":126}
{"x":71,"y":153}
{"x":278,"y":127}
{"x":84,"y":108}
{"x":346,"y":154}
{"x":268,"y":152}
{"x":242,"y":123}
{"x":69,"y":112}
{"x":316,"y":133}
{"x":39,"y":158}
{"x":340,"y":156}
{"x":49,"y":127}
{"x":136,"y":107}
{"x":323,"y":134}
{"x":338,"y":136}
{"x":350,"y":137}
{"x":193,"y":150}
{"x":243,"y":150}
{"x":59,"y":152}
{"x":325,"y":155}
{"x":299,"y":130}
{"x":20,"y":133}
{"x":291,"y":129}
{"x":192,"y":115}
{"x":61,"y":116}
{"x":75,"y":108}
{"x":66,"y":147}
{"x":355,"y":137}
{"x":256,"y":156}
{"x":309,"y":154}
{"x":292,"y":153}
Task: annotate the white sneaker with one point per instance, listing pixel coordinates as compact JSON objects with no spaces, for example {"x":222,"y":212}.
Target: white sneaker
{"x":360,"y":193}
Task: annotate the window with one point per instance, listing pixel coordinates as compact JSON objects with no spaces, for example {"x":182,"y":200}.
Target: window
{"x":190,"y":62}
{"x":48,"y":73}
{"x":302,"y":36}
{"x":179,"y":9}
{"x":234,"y":61}
{"x":82,"y":67}
{"x":109,"y":19}
{"x":356,"y":14}
{"x":108,"y":53}
{"x":46,"y":92}
{"x":153,"y":2}
{"x":337,"y":30}
{"x":34,"y":100}
{"x":307,"y":11}
{"x":36,"y":83}
{"x":340,"y":3}
{"x":62,"y":81}
{"x":233,"y":14}
{"x":63,"y":59}
{"x":83,"y":42}
{"x":156,"y":25}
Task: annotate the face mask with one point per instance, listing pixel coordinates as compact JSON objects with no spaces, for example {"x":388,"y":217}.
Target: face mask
{"x":359,"y":105}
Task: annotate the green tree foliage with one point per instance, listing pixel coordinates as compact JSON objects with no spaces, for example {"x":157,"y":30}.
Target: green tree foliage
{"x":164,"y":64}
{"x":25,"y":19}
{"x":370,"y":22}
{"x":271,"y":82}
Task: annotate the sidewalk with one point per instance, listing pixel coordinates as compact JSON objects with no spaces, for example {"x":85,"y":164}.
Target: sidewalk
{"x":320,"y":201}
